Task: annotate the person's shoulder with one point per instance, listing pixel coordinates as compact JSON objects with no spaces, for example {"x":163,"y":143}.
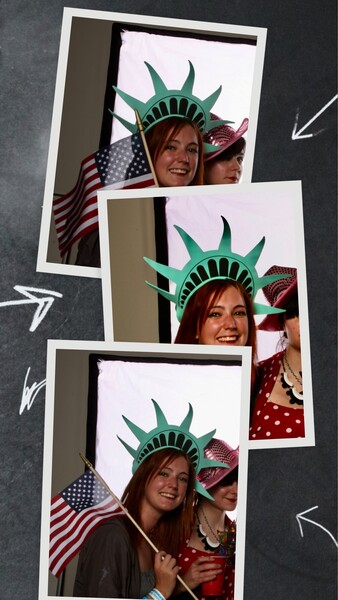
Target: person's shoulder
{"x":271,"y":360}
{"x":111,"y":528}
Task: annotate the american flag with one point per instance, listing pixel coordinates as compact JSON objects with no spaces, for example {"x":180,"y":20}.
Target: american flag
{"x":75,"y":513}
{"x":122,"y":165}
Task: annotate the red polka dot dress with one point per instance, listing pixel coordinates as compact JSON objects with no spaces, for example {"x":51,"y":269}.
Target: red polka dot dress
{"x":188,"y":555}
{"x":269,"y":420}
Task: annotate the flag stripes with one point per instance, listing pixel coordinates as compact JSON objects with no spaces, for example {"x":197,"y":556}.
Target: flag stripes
{"x":122,"y":165}
{"x":75,"y":513}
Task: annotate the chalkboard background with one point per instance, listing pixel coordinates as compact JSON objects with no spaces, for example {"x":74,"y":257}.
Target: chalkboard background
{"x":299,"y":73}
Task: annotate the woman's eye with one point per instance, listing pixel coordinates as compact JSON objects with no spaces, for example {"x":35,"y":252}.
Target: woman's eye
{"x":240,"y":159}
{"x":240,"y":313}
{"x":214,"y":314}
{"x":163,"y":474}
{"x":193,"y":150}
{"x":169,"y":147}
{"x":184,"y":479}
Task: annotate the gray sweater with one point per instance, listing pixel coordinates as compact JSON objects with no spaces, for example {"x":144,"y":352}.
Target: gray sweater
{"x":108,"y":565}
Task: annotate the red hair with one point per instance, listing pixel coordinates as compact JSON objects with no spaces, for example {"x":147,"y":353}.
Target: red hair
{"x":197,"y":310}
{"x":174,"y":527}
{"x":159,"y":134}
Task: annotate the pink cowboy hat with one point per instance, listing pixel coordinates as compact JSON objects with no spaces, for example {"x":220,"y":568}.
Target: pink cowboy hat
{"x":218,"y":450}
{"x":223,"y":136}
{"x":278,"y":294}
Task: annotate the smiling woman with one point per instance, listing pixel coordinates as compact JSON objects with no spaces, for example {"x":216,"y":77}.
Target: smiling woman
{"x":215,"y":294}
{"x":225,"y":164}
{"x":220,"y":312}
{"x":213,"y":533}
{"x":278,"y":410}
{"x":173,"y":122}
{"x":176,"y":148}
{"x":117,"y":561}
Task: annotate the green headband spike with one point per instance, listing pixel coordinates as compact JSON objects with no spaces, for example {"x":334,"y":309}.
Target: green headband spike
{"x":165,"y":435}
{"x":190,"y":80}
{"x":210,"y":148}
{"x":210,"y":101}
{"x":128,"y":448}
{"x":201,"y":490}
{"x":167,"y":103}
{"x":225,"y":242}
{"x":267,"y":279}
{"x":188,"y":419}
{"x":162,"y":422}
{"x":189,"y":84}
{"x":169,"y":272}
{"x":220,"y":122}
{"x":124,"y":122}
{"x":255,"y":253}
{"x":262,"y":309}
{"x":193,"y":248}
{"x":158,"y":83}
{"x":164,"y":293}
{"x":137,"y":431}
{"x":219,"y":264}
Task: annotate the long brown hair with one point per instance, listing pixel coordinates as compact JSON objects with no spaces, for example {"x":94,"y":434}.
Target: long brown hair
{"x":162,"y":131}
{"x":197,"y":310}
{"x":173,"y":527}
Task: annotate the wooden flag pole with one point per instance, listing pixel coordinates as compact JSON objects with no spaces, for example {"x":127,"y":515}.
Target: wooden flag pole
{"x":127,"y":513}
{"x":141,"y":131}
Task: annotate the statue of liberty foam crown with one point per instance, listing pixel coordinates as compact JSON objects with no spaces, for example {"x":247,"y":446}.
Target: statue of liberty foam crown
{"x":166,"y":435}
{"x":167,"y":103}
{"x":220,"y":263}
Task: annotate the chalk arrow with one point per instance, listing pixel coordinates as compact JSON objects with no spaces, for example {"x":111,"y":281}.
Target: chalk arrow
{"x":43,"y":303}
{"x":300,"y":517}
{"x":296,"y":135}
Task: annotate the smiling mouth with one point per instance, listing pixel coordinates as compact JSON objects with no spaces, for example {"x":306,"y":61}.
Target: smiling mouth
{"x":227,"y":339}
{"x":179,"y":171}
{"x":168,"y":495}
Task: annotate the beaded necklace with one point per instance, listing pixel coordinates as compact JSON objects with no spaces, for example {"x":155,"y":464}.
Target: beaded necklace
{"x":295,"y":396}
{"x":225,"y":539}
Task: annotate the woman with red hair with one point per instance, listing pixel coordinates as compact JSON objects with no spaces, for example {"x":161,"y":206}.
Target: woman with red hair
{"x":117,"y":560}
{"x":215,"y":293}
{"x":220,"y":313}
{"x":176,"y":150}
{"x":173,"y":122}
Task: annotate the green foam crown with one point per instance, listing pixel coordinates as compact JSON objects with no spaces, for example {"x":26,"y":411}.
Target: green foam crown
{"x":220,"y":263}
{"x":165,"y":435}
{"x":167,"y":103}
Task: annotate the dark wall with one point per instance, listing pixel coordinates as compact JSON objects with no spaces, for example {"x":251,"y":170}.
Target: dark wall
{"x":299,"y":75}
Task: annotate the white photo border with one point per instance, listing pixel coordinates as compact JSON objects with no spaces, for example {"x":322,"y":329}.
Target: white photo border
{"x":289,"y":187}
{"x":187,"y":352}
{"x":167,"y":24}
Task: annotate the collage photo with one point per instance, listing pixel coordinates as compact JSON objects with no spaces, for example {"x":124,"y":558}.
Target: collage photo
{"x":206,"y":357}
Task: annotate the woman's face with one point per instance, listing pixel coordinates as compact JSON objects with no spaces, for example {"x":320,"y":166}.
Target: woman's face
{"x":227,"y":322}
{"x":177,"y":161}
{"x":225,"y":496}
{"x":224,"y":170}
{"x":292,"y":329}
{"x":167,"y":489}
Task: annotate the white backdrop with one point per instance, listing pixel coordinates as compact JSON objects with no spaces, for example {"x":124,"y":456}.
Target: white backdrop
{"x":253,"y":211}
{"x":215,"y":63}
{"x":126,"y":388}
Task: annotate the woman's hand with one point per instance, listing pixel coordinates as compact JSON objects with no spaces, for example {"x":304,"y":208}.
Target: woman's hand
{"x":202,"y":569}
{"x":166,"y":570}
